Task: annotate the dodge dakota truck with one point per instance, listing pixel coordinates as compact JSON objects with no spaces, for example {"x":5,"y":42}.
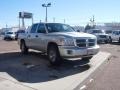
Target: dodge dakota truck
{"x":58,"y":41}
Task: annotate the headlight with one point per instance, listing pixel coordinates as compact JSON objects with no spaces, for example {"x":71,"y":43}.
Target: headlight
{"x":66,"y":42}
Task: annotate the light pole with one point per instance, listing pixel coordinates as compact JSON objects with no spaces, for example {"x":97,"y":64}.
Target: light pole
{"x":46,"y":6}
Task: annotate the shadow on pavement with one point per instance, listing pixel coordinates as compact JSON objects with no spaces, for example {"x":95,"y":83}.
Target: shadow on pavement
{"x":115,"y":43}
{"x":34,"y":67}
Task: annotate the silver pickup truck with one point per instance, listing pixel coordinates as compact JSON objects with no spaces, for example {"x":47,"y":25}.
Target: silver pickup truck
{"x":58,"y":41}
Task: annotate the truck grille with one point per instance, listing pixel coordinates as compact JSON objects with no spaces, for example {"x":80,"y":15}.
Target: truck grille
{"x":85,"y":42}
{"x":102,"y":36}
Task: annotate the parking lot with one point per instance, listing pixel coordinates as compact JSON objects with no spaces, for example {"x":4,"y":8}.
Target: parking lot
{"x":34,"y":68}
{"x":109,"y":77}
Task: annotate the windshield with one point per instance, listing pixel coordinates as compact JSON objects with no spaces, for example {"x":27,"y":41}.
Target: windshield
{"x":9,"y":33}
{"x":56,"y":27}
{"x":108,"y":32}
{"x":98,"y":31}
{"x":21,"y":31}
{"x":116,"y":32}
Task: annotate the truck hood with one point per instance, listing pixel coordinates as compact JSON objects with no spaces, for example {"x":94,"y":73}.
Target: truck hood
{"x":73,"y":34}
{"x":96,"y":34}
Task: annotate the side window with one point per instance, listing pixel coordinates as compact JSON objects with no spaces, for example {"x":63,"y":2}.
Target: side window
{"x":90,"y":31}
{"x":41,"y":28}
{"x":33,"y":29}
{"x":115,"y":33}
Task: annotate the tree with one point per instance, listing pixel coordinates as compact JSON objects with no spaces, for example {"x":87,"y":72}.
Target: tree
{"x":88,"y":27}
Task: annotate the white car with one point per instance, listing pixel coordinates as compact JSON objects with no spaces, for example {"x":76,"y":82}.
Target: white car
{"x":9,"y":35}
{"x":115,"y":36}
{"x":100,"y":34}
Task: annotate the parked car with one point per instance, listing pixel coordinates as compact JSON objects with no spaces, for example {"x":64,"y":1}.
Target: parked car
{"x":18,"y":32}
{"x":115,"y":36}
{"x":2,"y":35}
{"x":100,"y":34}
{"x":58,"y":41}
{"x":9,"y":35}
{"x":108,"y":32}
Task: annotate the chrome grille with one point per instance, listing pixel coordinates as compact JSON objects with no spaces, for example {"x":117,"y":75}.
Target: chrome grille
{"x":102,"y":36}
{"x":85,"y":42}
{"x":81,"y":42}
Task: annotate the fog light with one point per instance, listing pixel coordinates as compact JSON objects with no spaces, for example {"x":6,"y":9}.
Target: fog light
{"x":69,"y":51}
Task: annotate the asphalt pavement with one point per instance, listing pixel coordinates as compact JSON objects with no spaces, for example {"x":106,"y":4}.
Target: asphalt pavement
{"x":109,"y":77}
{"x":33,"y":71}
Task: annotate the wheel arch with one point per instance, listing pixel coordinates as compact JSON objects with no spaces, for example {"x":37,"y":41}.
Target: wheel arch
{"x":22,"y":40}
{"x":51,"y":44}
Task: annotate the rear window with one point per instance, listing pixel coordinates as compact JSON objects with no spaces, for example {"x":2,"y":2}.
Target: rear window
{"x":97,"y":31}
{"x":116,"y":32}
{"x":9,"y":33}
{"x":21,"y":31}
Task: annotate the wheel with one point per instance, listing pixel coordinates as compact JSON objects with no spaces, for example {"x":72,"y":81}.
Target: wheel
{"x":110,"y":39}
{"x":4,"y":38}
{"x":87,"y":58}
{"x":119,"y":39}
{"x":106,"y":41}
{"x":24,"y":49}
{"x":53,"y":55}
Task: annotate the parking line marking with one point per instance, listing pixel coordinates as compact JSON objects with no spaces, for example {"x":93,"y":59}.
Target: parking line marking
{"x":83,"y":87}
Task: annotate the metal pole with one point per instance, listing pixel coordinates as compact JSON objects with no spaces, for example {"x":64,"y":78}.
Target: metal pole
{"x":46,"y":6}
{"x":64,"y":21}
{"x":54,"y":19}
{"x":19,"y":22}
{"x":23,"y":24}
{"x":40,"y":21}
{"x":32,"y":20}
{"x":46,"y":14}
{"x":6,"y":26}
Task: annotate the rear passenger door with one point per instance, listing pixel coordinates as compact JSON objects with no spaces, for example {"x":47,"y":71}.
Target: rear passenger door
{"x":31,"y":36}
{"x":41,"y":37}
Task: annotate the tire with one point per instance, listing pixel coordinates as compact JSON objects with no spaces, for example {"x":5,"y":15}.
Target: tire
{"x":110,"y":39}
{"x":53,"y":55}
{"x":106,"y":41}
{"x":4,"y":38}
{"x":87,"y":58}
{"x":119,"y":39}
{"x":24,"y":49}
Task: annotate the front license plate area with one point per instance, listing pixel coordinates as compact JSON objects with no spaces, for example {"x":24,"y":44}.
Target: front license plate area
{"x":90,"y":51}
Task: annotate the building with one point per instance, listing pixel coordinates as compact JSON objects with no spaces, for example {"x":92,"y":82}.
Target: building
{"x":109,"y":26}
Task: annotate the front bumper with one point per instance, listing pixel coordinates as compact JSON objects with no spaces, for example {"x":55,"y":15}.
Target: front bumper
{"x":9,"y":37}
{"x":102,"y":39}
{"x":77,"y":52}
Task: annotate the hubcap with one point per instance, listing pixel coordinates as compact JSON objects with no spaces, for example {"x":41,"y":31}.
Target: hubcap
{"x":52,"y":55}
{"x":22,"y":47}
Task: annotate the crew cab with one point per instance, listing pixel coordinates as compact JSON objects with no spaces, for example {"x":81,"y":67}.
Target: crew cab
{"x":100,"y":34}
{"x":58,"y":41}
{"x":115,"y":36}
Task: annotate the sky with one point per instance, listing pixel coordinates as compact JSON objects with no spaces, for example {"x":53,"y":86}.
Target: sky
{"x":74,"y":12}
